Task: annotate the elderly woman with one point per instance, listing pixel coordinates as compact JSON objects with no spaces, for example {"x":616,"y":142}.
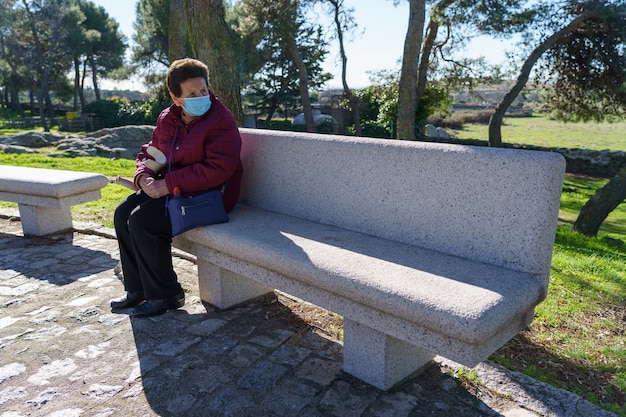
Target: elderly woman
{"x":200,"y":139}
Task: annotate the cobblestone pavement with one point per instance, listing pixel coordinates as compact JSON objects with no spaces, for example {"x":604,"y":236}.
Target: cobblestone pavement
{"x":63,"y":353}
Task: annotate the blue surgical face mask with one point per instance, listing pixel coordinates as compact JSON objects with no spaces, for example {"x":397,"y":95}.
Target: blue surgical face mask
{"x":197,"y":106}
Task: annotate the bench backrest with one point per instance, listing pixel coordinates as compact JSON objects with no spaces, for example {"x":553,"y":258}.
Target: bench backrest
{"x":498,"y":206}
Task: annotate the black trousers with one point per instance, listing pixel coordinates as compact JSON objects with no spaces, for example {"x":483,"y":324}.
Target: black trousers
{"x":144,"y":235}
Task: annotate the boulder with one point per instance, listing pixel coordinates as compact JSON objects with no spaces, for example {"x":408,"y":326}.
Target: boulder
{"x":31,"y":139}
{"x":119,"y":142}
{"x":318,"y":119}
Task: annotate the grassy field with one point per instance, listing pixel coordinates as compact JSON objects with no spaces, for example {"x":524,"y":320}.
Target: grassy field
{"x":577,"y":340}
{"x":541,"y":131}
{"x":11,"y":131}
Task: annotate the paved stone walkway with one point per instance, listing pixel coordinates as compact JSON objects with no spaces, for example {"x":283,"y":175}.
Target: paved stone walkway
{"x":63,"y":353}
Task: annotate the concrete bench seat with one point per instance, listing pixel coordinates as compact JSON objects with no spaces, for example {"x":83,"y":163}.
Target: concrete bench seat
{"x":45,"y":196}
{"x":424,"y":249}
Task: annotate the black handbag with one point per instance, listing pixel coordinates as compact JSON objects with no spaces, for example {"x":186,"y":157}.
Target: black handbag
{"x":187,"y":213}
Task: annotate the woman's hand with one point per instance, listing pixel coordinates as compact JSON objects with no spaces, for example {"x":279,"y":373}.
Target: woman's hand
{"x":154,"y":188}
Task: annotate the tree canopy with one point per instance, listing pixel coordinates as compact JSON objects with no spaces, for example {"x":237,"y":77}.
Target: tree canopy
{"x":41,"y":41}
{"x":275,"y":49}
{"x":292,"y":50}
{"x":429,"y":46}
{"x":581,"y":55}
{"x":588,"y":65}
{"x":152,"y":22}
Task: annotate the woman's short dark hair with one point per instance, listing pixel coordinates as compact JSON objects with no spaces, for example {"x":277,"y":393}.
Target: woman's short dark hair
{"x":183,"y":69}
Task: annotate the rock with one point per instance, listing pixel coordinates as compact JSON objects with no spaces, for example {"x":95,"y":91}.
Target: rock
{"x":124,"y":142}
{"x":31,"y":139}
{"x":120,"y":142}
{"x":430,"y":131}
{"x":318,"y":119}
{"x":436,"y":132}
{"x":442,"y":133}
{"x":16,"y":149}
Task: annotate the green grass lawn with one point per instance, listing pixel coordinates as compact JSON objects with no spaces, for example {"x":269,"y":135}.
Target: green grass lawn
{"x":11,"y":131}
{"x":541,"y":131}
{"x":577,"y":340}
{"x":577,"y":190}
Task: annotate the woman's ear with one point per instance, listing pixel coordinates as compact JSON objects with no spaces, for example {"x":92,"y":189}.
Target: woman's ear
{"x":176,"y":100}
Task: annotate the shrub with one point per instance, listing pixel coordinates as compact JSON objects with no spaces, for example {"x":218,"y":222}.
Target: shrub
{"x":328,"y":126}
{"x":378,"y":106}
{"x":121,"y":112}
{"x":371,"y":130}
{"x":283,"y":124}
{"x":456,"y":119}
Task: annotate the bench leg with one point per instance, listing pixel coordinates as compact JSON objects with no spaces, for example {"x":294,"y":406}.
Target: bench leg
{"x":379,"y":359}
{"x":223,"y":288}
{"x":39,"y":221}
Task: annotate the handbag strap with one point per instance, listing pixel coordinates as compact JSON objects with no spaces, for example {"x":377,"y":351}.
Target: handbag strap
{"x":169,"y":167}
{"x":169,"y":159}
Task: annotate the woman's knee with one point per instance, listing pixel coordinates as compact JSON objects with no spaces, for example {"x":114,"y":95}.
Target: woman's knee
{"x":120,"y":217}
{"x":124,"y":210}
{"x":149,"y":218}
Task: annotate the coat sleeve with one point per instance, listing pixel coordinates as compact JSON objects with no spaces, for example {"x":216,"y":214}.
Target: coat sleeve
{"x":145,"y":161}
{"x":221,"y":147}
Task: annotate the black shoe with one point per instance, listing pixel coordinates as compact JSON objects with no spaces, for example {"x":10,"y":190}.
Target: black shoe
{"x":128,"y":300}
{"x":155,"y":307}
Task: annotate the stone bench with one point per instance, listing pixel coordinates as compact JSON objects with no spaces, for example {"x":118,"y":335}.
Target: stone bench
{"x":424,"y":249}
{"x":44,"y":196}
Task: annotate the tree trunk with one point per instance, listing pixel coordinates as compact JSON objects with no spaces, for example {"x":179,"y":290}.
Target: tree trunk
{"x":82,"y":86}
{"x":407,"y":92}
{"x":178,"y":36}
{"x":211,"y":43}
{"x":429,"y":42}
{"x":42,"y":112}
{"x":50,"y":112}
{"x":31,"y":98}
{"x":76,"y":83}
{"x":354,"y":104}
{"x":601,"y":204}
{"x":422,"y":79}
{"x":81,"y":93}
{"x":270,"y":111}
{"x":495,"y":123}
{"x":4,"y":104}
{"x":14,"y":98}
{"x":304,"y":85}
{"x":41,"y":65}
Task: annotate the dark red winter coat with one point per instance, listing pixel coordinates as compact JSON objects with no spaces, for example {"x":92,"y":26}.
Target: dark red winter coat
{"x":205,"y":156}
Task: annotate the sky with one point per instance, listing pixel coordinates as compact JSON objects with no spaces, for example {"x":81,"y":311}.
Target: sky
{"x":375,"y":45}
